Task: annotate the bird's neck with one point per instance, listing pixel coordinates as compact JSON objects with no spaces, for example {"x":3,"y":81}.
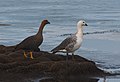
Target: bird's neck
{"x":79,"y":32}
{"x":40,"y":29}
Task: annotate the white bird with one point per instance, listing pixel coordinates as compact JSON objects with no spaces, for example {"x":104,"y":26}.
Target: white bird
{"x":72,"y":43}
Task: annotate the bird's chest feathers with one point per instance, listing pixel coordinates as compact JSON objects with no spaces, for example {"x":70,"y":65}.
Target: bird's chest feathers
{"x":38,"y":39}
{"x":78,"y":42}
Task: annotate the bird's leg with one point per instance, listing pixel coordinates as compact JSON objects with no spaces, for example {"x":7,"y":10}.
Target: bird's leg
{"x":31,"y":55}
{"x":104,"y":80}
{"x":73,"y":59}
{"x":67,"y":57}
{"x":67,"y":64}
{"x":25,"y":55}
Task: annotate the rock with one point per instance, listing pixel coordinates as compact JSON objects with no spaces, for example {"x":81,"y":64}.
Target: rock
{"x":76,"y":68}
{"x":5,"y":59}
{"x":6,"y":49}
{"x":2,"y":49}
{"x":47,"y":64}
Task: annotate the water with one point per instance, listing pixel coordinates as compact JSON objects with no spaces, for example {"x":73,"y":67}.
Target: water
{"x":21,"y":18}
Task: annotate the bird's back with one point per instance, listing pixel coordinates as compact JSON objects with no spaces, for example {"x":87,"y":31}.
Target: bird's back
{"x":30,"y":43}
{"x":65,"y":43}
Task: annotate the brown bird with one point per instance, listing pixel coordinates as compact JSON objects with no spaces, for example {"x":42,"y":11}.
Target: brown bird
{"x":32,"y":43}
{"x":72,"y":43}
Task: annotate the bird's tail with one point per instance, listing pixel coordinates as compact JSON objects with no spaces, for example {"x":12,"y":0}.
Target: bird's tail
{"x":53,"y":51}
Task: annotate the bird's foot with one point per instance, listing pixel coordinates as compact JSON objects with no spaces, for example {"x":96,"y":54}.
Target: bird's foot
{"x":31,"y":55}
{"x":25,"y":55}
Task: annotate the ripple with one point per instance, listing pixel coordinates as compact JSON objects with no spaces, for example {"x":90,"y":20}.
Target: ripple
{"x":5,"y":24}
{"x":102,"y":32}
{"x":97,"y":32}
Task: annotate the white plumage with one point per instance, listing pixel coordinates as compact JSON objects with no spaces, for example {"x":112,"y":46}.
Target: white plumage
{"x":72,"y":43}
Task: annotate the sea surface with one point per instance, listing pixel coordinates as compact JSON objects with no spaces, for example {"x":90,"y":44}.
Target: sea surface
{"x":21,"y":18}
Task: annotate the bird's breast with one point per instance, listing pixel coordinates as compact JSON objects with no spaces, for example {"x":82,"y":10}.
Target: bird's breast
{"x":79,"y":41}
{"x":38,"y":40}
{"x":77,"y":44}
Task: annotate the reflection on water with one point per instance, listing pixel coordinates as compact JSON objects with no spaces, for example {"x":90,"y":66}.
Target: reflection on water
{"x":81,"y":79}
{"x":71,"y":80}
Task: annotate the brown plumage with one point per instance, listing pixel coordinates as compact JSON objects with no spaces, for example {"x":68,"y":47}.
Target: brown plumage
{"x":32,"y":43}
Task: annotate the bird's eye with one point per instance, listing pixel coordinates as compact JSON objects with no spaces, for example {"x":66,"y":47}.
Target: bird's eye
{"x":83,"y":22}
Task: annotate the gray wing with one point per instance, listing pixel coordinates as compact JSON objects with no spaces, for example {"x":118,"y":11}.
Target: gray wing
{"x":70,"y":46}
{"x":66,"y":44}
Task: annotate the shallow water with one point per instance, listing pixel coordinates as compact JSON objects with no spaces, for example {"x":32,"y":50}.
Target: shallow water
{"x":21,"y":18}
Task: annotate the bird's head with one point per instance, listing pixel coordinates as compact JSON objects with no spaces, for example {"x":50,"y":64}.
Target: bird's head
{"x":45,"y":22}
{"x":81,"y":23}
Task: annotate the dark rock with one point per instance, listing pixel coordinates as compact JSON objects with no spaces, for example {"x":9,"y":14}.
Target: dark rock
{"x":6,"y":49}
{"x":2,"y":49}
{"x":64,"y":68}
{"x":46,"y":63}
{"x":5,"y":59}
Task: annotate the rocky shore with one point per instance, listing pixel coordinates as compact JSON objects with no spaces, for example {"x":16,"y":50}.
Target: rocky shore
{"x":15,"y":68}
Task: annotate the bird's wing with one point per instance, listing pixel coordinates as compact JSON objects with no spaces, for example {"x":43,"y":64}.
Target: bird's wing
{"x":26,"y":43}
{"x":64,"y":44}
{"x":70,"y":46}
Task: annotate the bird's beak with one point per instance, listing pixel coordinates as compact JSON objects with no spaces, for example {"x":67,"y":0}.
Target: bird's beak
{"x":86,"y":25}
{"x":48,"y":22}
